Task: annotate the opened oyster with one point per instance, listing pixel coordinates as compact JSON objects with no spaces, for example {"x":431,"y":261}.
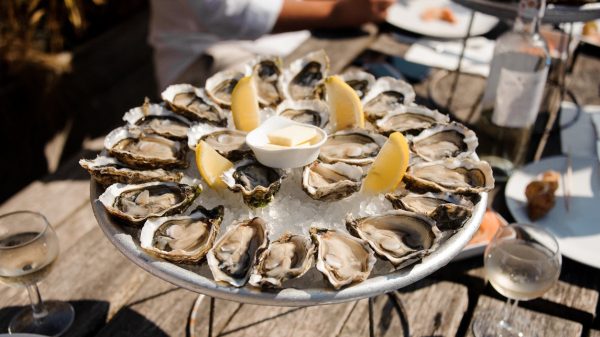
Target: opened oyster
{"x":228,"y":142}
{"x":358,"y":147}
{"x":450,"y":175}
{"x":256,"y":182}
{"x":182,"y":238}
{"x":107,"y":171}
{"x":410,"y":120}
{"x":136,"y":203}
{"x":288,"y":257}
{"x":328,"y":182}
{"x":387,"y":94}
{"x":233,"y":255}
{"x":220,"y":86}
{"x":154,"y":118}
{"x":444,"y":141}
{"x":448,"y":210}
{"x":139,"y":150}
{"x":314,"y":112}
{"x":342,"y":258}
{"x":266,"y":71}
{"x":399,"y":236}
{"x":360,"y":81}
{"x":194,"y":104}
{"x":301,"y":80}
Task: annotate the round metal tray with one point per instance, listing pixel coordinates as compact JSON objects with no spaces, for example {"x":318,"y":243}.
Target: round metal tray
{"x":310,"y":289}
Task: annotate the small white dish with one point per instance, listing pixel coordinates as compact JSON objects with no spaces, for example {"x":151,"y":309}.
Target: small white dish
{"x":282,"y":157}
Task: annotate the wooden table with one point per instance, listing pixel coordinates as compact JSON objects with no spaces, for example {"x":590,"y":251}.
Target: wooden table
{"x":113,"y":297}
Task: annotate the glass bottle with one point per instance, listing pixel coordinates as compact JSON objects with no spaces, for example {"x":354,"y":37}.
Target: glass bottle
{"x":514,"y":91}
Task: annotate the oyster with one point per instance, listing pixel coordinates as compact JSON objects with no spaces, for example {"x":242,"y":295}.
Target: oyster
{"x":138,"y":150}
{"x":301,"y":80}
{"x":360,"y":81}
{"x":444,"y":141}
{"x":327,"y":182}
{"x":450,"y":175}
{"x":107,"y":171}
{"x":266,"y":71}
{"x":182,"y":238}
{"x":387,"y":95}
{"x":288,"y":257}
{"x":228,"y":142}
{"x":194,"y":104}
{"x":448,"y":210}
{"x":401,"y":237}
{"x":258,"y":183}
{"x":358,"y":147}
{"x":155,"y":119}
{"x":136,"y":203}
{"x":342,"y":258}
{"x":410,"y":120}
{"x":314,"y":112}
{"x":220,"y":85}
{"x":233,"y":255}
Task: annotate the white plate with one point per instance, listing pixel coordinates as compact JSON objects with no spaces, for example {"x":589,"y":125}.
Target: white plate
{"x":406,"y":14}
{"x":577,"y":231}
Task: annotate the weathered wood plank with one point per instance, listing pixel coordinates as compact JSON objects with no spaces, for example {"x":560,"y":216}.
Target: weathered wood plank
{"x":544,"y":325}
{"x":224,"y":312}
{"x":594,"y":333}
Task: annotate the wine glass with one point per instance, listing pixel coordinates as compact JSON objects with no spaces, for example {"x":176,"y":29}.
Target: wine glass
{"x":28,"y":248}
{"x":521,"y":262}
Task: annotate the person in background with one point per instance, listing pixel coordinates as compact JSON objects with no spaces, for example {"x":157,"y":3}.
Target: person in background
{"x":192,"y":39}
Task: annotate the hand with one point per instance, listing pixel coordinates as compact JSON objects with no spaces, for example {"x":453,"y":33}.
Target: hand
{"x":358,"y":12}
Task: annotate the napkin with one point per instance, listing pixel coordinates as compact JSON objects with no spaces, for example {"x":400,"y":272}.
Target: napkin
{"x":445,"y":54}
{"x":581,"y":137}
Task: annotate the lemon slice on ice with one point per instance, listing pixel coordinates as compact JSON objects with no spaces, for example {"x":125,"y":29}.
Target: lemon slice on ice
{"x":344,"y":104}
{"x":244,"y":105}
{"x":211,"y":165}
{"x":389,"y":166}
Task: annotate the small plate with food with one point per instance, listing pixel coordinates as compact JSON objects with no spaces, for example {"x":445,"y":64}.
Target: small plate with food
{"x":536,"y":194}
{"x":438,"y":18}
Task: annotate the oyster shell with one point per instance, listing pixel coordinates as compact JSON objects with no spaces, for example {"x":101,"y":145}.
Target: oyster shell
{"x":301,"y":80}
{"x":360,"y":81}
{"x":444,"y":141}
{"x":138,"y":150}
{"x":220,"y":85}
{"x":266,"y":71}
{"x":327,"y":182}
{"x":313,"y":112}
{"x":257,"y":183}
{"x":228,"y":142}
{"x":450,"y":175}
{"x":155,"y":119}
{"x":182,"y":238}
{"x":387,"y":95}
{"x":138,"y":202}
{"x":288,"y":257}
{"x":358,"y":147}
{"x":410,"y":120}
{"x":107,"y":171}
{"x":399,"y":236}
{"x":233,"y":255}
{"x":194,"y":104}
{"x":341,"y":257}
{"x":448,"y":210}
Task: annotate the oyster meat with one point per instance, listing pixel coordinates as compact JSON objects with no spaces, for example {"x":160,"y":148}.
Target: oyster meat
{"x":302,"y":79}
{"x":399,"y":236}
{"x":266,"y":71}
{"x":220,"y":86}
{"x":154,"y":118}
{"x":288,"y":257}
{"x":360,"y":81}
{"x":387,"y":94}
{"x":444,"y":141}
{"x":342,"y":258}
{"x":194,"y":104}
{"x":358,"y":147}
{"x":182,"y":238}
{"x":107,"y":171}
{"x":410,"y":120}
{"x":450,"y":175}
{"x":328,"y":182}
{"x":232,"y":257}
{"x":314,"y":112}
{"x":257,"y":183}
{"x":138,"y":202}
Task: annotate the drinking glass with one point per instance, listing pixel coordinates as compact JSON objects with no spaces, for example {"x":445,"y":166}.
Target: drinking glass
{"x":28,"y":248}
{"x":521,"y":262}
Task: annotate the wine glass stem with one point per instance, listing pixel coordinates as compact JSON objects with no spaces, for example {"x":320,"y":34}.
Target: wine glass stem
{"x":509,"y":310}
{"x":37,"y":305}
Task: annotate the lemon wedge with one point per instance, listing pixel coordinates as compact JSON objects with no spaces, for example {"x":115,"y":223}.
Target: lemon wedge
{"x":244,"y":105}
{"x":211,"y":165}
{"x":344,"y":104}
{"x":389,"y":166}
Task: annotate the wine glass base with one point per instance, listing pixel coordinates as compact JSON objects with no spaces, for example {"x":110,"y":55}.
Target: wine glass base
{"x":58,"y":320}
{"x":490,"y":324}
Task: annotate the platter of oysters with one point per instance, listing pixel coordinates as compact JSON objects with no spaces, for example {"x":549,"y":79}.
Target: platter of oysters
{"x":295,"y":236}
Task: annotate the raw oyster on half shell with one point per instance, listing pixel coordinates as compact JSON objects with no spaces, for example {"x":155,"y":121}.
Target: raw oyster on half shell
{"x":444,"y":141}
{"x":328,"y":182}
{"x":107,"y":171}
{"x":387,"y":94}
{"x":220,"y":85}
{"x":302,"y":79}
{"x":257,"y":183}
{"x":341,"y":257}
{"x":229,"y":143}
{"x":450,"y":175}
{"x":182,"y":238}
{"x":288,"y":257}
{"x":410,"y":120}
{"x":313,"y":112}
{"x":358,"y":147}
{"x":360,"y":81}
{"x":194,"y":104}
{"x":156,"y":119}
{"x":233,"y":255}
{"x":266,"y":72}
